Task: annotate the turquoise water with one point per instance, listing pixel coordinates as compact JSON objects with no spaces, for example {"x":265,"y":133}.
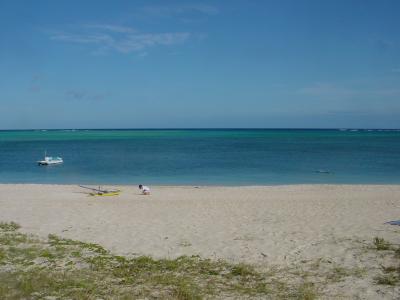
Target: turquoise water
{"x":202,"y":157}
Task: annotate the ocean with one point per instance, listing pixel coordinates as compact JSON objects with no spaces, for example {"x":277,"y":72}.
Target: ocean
{"x":202,"y":156}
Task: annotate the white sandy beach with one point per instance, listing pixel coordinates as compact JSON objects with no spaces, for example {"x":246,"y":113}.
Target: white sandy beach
{"x":263,"y":225}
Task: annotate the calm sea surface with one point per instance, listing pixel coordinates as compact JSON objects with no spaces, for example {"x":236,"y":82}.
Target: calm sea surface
{"x":202,"y":157}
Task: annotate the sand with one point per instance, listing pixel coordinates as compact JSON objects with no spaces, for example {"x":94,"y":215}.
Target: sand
{"x":263,"y":225}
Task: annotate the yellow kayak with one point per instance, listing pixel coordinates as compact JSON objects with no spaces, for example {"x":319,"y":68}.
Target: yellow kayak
{"x":101,"y":192}
{"x":114,"y":193}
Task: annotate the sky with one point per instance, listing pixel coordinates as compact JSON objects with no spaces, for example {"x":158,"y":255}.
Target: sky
{"x":199,"y":64}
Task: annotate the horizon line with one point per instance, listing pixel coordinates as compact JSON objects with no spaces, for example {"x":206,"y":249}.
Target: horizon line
{"x":205,"y":128}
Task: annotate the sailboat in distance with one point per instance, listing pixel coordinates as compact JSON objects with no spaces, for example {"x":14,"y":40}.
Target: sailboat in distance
{"x":50,"y":160}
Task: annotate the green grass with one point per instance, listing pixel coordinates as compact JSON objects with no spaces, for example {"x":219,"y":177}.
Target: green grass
{"x":381,"y":244}
{"x":243,"y":270}
{"x":338,"y":273}
{"x":391,"y":274}
{"x":11,"y":226}
{"x":68,"y":269}
{"x":306,"y":291}
{"x":32,"y":268}
{"x":388,"y":279}
{"x":397,"y":252}
{"x":390,"y":269}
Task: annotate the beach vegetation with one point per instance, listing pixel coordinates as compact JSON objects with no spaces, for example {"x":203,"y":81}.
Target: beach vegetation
{"x":34,"y":268}
{"x":389,"y":269}
{"x":387,"y":279}
{"x":339,"y":273}
{"x":47,"y":254}
{"x":306,"y":291}
{"x":9,"y":226}
{"x":185,"y":243}
{"x":243,"y":270}
{"x":381,"y":244}
{"x":391,"y":273}
{"x":397,"y":252}
{"x":54,"y":240}
{"x":390,"y":276}
{"x":186,"y":291}
{"x":69,"y":269}
{"x":2,"y":255}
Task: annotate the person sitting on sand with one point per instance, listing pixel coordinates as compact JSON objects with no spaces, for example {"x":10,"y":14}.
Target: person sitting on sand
{"x":145,"y":189}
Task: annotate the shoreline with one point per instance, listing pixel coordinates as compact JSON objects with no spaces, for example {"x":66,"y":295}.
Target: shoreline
{"x":199,"y":185}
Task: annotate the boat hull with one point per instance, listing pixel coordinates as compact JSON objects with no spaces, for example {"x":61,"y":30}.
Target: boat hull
{"x":46,"y":163}
{"x":105,"y":194}
{"x":50,"y":160}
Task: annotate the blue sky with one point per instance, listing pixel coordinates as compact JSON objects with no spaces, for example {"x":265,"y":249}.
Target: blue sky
{"x":156,"y":64}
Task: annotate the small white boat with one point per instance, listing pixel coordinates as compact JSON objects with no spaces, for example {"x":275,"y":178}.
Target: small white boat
{"x":50,"y":160}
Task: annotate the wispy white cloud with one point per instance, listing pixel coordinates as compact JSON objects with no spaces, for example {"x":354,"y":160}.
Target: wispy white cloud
{"x":333,"y":90}
{"x":387,"y":92}
{"x":111,"y":28}
{"x":83,"y":38}
{"x":81,"y":95}
{"x":121,"y":39}
{"x":142,"y":41}
{"x":325,"y":89}
{"x":174,"y":10}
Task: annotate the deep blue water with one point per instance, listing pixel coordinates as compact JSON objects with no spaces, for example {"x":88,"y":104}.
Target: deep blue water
{"x":197,"y":157}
